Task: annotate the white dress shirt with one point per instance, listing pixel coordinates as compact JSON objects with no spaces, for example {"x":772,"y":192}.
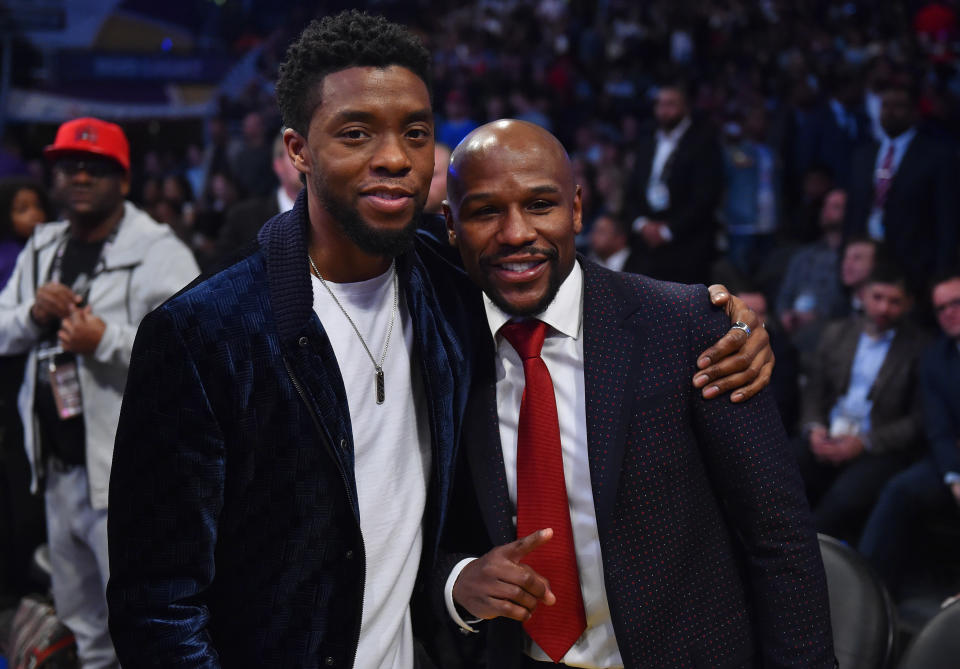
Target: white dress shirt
{"x":658,"y":195}
{"x":615,"y":261}
{"x":563,"y":355}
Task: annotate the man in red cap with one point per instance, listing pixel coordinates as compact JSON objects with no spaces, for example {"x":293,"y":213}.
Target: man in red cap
{"x":78,"y":292}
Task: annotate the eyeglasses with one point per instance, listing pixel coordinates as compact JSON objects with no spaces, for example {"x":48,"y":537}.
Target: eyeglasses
{"x":952,"y":304}
{"x":93,"y":167}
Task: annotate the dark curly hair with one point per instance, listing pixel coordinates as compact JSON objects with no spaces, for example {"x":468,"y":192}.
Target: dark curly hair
{"x":333,"y":43}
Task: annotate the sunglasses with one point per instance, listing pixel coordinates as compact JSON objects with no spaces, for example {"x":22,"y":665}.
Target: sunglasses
{"x":93,"y":167}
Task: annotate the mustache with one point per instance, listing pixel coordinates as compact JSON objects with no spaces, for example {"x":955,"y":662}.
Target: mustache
{"x":518,"y":255}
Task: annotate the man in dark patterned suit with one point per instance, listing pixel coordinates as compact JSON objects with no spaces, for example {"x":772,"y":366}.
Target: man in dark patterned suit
{"x":666,"y":530}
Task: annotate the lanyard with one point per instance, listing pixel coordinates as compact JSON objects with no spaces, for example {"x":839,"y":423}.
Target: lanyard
{"x":82,"y":283}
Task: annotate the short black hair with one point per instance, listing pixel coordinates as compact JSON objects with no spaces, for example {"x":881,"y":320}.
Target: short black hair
{"x":888,"y":272}
{"x":349,"y":39}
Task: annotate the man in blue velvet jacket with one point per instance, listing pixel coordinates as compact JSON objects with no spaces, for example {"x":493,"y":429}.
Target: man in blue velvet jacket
{"x":285,"y":448}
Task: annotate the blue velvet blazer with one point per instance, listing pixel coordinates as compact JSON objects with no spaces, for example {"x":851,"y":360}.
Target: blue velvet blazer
{"x":234,"y":527}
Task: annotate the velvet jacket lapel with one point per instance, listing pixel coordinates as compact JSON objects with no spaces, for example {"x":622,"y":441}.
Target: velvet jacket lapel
{"x":307,"y":349}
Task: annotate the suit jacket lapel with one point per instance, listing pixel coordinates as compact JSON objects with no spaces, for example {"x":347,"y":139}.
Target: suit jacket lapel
{"x":610,"y":342}
{"x":481,"y":429}
{"x":898,"y":352}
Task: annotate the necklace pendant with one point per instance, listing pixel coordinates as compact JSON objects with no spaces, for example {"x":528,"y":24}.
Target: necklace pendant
{"x":381,"y":389}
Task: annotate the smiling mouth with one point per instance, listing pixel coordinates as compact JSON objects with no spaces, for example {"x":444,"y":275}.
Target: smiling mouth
{"x":521,"y":266}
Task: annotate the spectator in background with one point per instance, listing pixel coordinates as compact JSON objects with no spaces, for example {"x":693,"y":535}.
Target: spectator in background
{"x":933,"y":484}
{"x":751,"y":208}
{"x":73,"y":304}
{"x":438,"y":186}
{"x":23,"y":205}
{"x":243,"y":221}
{"x":677,"y":187}
{"x":456,"y":122}
{"x":811,"y":290}
{"x":609,"y":243}
{"x":860,"y":255}
{"x":841,"y":125}
{"x":860,"y":407}
{"x":251,"y":163}
{"x":904,"y":190}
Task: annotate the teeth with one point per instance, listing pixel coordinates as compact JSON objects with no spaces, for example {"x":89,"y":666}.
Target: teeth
{"x":519,"y":266}
{"x":388,"y":196}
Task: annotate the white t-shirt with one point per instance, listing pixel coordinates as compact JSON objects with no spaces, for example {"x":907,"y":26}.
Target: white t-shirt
{"x":392,"y":458}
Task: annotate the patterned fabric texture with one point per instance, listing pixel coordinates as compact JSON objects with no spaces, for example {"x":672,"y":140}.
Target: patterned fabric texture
{"x":234,"y":528}
{"x":709,"y":552}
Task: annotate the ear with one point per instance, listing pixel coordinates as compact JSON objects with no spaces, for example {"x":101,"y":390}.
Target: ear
{"x":451,"y":229}
{"x":125,"y":184}
{"x":297,"y":150}
{"x":577,"y":210}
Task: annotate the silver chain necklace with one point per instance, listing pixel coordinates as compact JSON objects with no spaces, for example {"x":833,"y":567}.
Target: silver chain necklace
{"x":377,"y":368}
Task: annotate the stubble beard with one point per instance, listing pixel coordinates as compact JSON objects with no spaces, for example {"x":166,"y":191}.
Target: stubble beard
{"x":386,"y":243}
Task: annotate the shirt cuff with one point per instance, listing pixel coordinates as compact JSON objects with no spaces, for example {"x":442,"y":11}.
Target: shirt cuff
{"x":638,"y":223}
{"x":448,"y":596}
{"x":951,"y":477}
{"x":666,"y":234}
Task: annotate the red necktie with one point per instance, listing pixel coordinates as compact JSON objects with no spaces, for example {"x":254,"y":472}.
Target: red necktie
{"x":542,"y":496}
{"x":884,"y":179}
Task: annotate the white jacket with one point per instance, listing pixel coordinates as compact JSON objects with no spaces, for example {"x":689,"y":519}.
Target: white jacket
{"x":144,"y":265}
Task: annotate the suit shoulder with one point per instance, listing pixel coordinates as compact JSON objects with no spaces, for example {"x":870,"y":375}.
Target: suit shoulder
{"x":212,"y":291}
{"x":654,"y":292}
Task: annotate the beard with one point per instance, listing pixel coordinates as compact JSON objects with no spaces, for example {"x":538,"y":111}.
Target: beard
{"x":553,"y":285}
{"x":388,"y":243}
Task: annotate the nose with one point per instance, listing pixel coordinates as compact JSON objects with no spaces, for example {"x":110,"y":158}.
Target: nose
{"x":515,"y":229}
{"x":391,"y":155}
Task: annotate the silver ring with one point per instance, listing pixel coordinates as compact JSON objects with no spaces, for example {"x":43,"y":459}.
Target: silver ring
{"x":740,"y":325}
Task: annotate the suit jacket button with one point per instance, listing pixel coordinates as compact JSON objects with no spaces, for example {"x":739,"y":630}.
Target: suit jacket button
{"x":329,"y":661}
{"x":348,"y":555}
{"x":303,"y":341}
{"x":343,"y":444}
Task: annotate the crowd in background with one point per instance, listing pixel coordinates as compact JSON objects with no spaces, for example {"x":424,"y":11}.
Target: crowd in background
{"x":793,"y":105}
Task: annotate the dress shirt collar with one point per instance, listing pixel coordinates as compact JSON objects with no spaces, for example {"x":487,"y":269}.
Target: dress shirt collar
{"x":564,"y":314}
{"x":674,"y":135}
{"x":899,"y":142}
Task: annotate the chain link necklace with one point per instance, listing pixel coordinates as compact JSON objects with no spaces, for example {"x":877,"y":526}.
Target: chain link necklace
{"x":377,"y":368}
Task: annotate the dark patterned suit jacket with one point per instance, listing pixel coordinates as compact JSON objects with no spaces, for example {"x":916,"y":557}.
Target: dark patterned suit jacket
{"x":895,"y":418}
{"x":709,"y":552}
{"x":234,"y":526}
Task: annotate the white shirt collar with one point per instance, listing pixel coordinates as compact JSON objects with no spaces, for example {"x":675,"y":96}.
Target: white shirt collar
{"x":900,"y":140}
{"x":284,"y":203}
{"x":674,"y":135}
{"x":564,"y":314}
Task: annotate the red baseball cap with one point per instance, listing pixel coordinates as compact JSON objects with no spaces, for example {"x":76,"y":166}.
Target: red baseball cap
{"x":90,"y":135}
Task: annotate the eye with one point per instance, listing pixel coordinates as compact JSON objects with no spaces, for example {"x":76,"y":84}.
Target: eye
{"x":419,"y":134}
{"x":541,"y":205}
{"x":354,"y":134}
{"x":484,"y":211}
